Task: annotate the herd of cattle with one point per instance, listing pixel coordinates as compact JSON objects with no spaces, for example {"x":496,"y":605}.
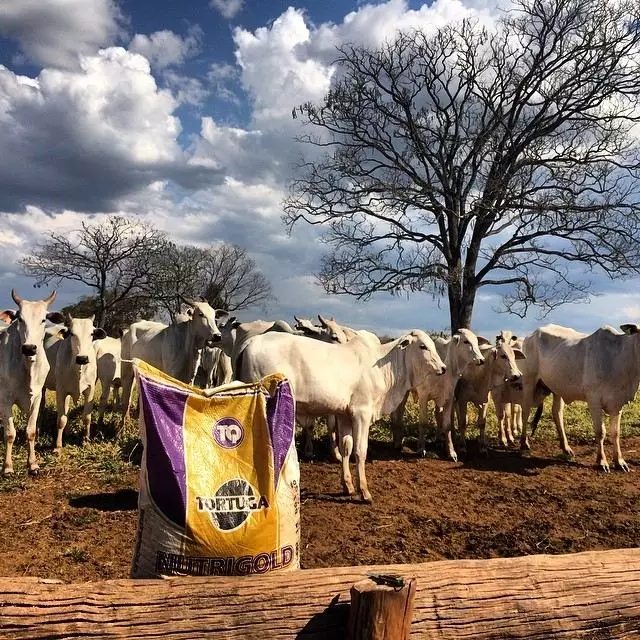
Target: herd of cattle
{"x":346,"y":375}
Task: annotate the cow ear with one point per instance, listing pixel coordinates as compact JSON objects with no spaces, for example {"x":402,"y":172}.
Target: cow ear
{"x":68,"y":319}
{"x":405,"y":342}
{"x":235,"y":324}
{"x":482,"y":340}
{"x":221,"y":314}
{"x":494,"y":353}
{"x":99,"y":334}
{"x":519,"y":355}
{"x":514,"y":338}
{"x":630,"y":329}
{"x":56,"y":317}
{"x":456,"y":338}
{"x":8,"y":315}
{"x":64,"y":333}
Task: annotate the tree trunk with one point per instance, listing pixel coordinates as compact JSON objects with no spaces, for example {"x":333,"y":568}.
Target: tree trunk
{"x":461,"y":307}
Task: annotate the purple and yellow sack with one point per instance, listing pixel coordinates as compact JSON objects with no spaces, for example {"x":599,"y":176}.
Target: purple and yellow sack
{"x":219,"y":481}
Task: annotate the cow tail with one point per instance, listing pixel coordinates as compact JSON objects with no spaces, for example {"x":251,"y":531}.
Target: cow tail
{"x":536,"y":419}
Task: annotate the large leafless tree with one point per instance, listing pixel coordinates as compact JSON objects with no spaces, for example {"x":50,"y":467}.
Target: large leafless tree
{"x":224,"y":275}
{"x":478,"y":157}
{"x":115,"y":258}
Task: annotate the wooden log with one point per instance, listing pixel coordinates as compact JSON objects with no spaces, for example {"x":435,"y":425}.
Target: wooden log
{"x":381,"y":611}
{"x":593,"y":595}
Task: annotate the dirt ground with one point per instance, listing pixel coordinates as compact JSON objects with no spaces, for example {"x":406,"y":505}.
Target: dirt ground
{"x":70,"y":525}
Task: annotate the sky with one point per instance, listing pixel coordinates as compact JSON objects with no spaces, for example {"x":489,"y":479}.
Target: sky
{"x":179,"y":113}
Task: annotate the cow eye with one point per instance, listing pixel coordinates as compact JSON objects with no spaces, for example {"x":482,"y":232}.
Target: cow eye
{"x":467,"y":342}
{"x":424,"y":347}
{"x":504,"y":357}
{"x":44,"y":320}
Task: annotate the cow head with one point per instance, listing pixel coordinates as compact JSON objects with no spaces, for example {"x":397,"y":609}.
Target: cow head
{"x":468,"y":348}
{"x":81,"y":333}
{"x":630,"y":329}
{"x":506,"y":337}
{"x":422,"y":359}
{"x":333,"y":331}
{"x":505,"y":365}
{"x":307,"y":327}
{"x":228,"y":335}
{"x":203,"y":322}
{"x":30,"y":319}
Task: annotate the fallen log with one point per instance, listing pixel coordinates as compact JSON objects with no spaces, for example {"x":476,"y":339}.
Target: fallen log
{"x":593,"y":595}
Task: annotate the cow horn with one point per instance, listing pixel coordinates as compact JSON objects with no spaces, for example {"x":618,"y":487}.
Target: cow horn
{"x":16,"y":298}
{"x":51,"y":297}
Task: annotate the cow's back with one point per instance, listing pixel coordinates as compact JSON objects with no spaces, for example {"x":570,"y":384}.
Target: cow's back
{"x":320,"y":373}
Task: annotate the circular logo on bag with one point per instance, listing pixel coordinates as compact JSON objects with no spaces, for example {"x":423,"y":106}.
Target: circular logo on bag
{"x":228,"y":433}
{"x":232,"y":504}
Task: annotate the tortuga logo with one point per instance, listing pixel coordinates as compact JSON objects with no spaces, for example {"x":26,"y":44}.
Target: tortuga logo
{"x":228,"y":433}
{"x":232,"y":504}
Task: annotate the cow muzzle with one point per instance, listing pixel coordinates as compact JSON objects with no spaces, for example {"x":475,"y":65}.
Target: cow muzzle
{"x":216,"y":338}
{"x":29,"y":350}
{"x":442,"y":371}
{"x":479,"y":362}
{"x":82,"y":359}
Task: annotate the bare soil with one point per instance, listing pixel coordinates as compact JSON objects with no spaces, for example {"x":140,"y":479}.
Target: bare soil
{"x":74,"y":526}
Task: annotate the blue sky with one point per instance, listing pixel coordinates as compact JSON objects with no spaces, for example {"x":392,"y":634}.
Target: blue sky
{"x":179,"y":113}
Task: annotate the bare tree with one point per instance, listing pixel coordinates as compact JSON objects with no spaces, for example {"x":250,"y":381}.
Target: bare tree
{"x":225,"y":275}
{"x":115,"y":258}
{"x":477,"y":157}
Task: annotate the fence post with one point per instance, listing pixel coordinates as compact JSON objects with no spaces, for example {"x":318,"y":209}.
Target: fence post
{"x":381,"y":611}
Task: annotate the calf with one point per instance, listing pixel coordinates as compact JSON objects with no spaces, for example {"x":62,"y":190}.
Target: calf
{"x":457,"y":352}
{"x":73,"y":371}
{"x":356,"y":381}
{"x":23,"y":370}
{"x":108,"y":361}
{"x":477,"y":383}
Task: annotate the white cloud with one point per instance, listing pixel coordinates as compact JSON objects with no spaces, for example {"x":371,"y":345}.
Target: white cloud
{"x":227,"y":8}
{"x":55,"y":33}
{"x":81,"y":139}
{"x":166,"y":48}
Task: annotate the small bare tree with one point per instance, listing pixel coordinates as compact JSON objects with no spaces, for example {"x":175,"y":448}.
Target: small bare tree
{"x":115,"y":258}
{"x":225,"y":275}
{"x":479,"y":157}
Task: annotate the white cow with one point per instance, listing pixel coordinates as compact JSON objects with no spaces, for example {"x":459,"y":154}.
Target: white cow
{"x":328,"y":331}
{"x":507,"y":398}
{"x":23,"y":370}
{"x":216,"y":367}
{"x":236,"y":335}
{"x":73,"y":371}
{"x":457,"y":352}
{"x":601,"y":369}
{"x":477,"y":383}
{"x":357,"y":381}
{"x":173,"y":348}
{"x":108,"y":357}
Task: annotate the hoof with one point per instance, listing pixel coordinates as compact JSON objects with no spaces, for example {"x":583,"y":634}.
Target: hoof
{"x":569,"y":452}
{"x":623,"y":466}
{"x":422,"y":453}
{"x":525,"y":446}
{"x":453,"y":456}
{"x":604,"y":466}
{"x":7,"y":473}
{"x":348,"y":491}
{"x":34,"y":472}
{"x":367,"y":499}
{"x":57,"y":451}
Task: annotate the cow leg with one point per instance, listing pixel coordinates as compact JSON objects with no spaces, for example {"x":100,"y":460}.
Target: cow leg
{"x":9,"y":439}
{"x":598,"y":426}
{"x":557,"y":410}
{"x":502,"y":415}
{"x":461,"y":414}
{"x":32,"y":422}
{"x":524,"y":439}
{"x":104,"y":399}
{"x":86,"y":412}
{"x":444,"y":419}
{"x":397,"y":429}
{"x":614,"y":423}
{"x":516,"y":419}
{"x":63,"y":402}
{"x":361,"y":423}
{"x":482,"y":425}
{"x":332,"y":429}
{"x":345,"y":437}
{"x":127,"y":388}
{"x":422,"y":421}
{"x":307,"y":436}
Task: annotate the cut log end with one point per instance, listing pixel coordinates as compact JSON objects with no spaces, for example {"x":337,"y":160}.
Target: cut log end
{"x":381,"y":610}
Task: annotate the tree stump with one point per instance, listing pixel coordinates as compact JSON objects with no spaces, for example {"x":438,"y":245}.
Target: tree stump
{"x":381,"y":611}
